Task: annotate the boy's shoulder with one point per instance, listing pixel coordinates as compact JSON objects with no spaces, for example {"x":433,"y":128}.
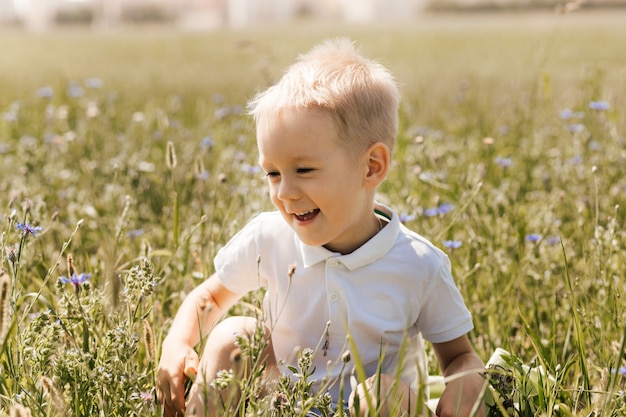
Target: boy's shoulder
{"x":412,"y":246}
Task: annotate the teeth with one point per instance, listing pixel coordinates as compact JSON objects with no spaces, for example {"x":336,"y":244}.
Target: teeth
{"x":304,"y":213}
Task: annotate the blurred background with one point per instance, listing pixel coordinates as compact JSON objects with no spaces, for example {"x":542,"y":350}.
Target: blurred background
{"x":43,"y":15}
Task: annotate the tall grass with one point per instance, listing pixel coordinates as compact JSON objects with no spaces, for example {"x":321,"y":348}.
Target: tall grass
{"x":511,"y":157}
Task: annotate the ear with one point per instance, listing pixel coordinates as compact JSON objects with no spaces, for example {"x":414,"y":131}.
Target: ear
{"x":378,"y":159}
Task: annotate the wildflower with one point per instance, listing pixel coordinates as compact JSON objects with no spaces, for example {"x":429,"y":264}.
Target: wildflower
{"x":431,"y":212}
{"x":9,"y":116}
{"x":75,"y":91}
{"x":488,"y":141}
{"x":622,"y":370}
{"x":566,"y":114}
{"x":594,"y":145}
{"x":251,"y":169}
{"x":75,"y":280}
{"x":45,"y":92}
{"x":138,"y":117}
{"x":207,"y":143}
{"x":446,"y":208}
{"x":576,"y":160}
{"x":443,"y":208}
{"x":575,"y":127}
{"x":503,"y":162}
{"x":28,"y":229}
{"x":553,"y":240}
{"x":146,"y":397}
{"x":222,"y":112}
{"x":404,"y":217}
{"x":202,"y":175}
{"x":452,"y":244}
{"x":92,"y":109}
{"x":599,"y":105}
{"x":93,"y":83}
{"x":278,"y":403}
{"x":134,"y":233}
{"x":533,"y":237}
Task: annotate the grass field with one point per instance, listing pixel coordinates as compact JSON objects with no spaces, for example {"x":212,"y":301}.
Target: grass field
{"x":518,"y":121}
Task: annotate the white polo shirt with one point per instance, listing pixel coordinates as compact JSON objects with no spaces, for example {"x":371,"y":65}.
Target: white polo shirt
{"x":388,"y":293}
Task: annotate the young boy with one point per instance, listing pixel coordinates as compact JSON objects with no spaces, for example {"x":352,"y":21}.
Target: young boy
{"x":325,"y":134}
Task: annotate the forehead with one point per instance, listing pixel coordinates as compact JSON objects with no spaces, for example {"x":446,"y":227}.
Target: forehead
{"x":288,"y":118}
{"x":297,"y":131}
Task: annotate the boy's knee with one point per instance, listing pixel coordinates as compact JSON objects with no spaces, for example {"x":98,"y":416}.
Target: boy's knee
{"x":223,"y":338}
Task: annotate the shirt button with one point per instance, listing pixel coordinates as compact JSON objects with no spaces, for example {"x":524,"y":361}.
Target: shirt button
{"x":333,"y":263}
{"x":333,"y":297}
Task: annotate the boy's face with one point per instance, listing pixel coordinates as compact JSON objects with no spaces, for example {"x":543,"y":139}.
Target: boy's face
{"x":319,"y":188}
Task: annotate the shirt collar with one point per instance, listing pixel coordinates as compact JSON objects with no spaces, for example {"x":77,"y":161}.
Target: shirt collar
{"x":371,"y":251}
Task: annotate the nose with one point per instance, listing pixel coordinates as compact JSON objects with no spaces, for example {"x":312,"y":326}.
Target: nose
{"x":287,"y":189}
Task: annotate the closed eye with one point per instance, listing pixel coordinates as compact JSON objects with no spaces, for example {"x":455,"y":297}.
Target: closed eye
{"x":304,"y":170}
{"x":272,"y":174}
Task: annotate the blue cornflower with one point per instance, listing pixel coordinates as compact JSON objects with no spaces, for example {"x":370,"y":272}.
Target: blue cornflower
{"x":566,"y":114}
{"x":75,"y":280}
{"x":576,"y":160}
{"x":443,"y":208}
{"x":28,"y":229}
{"x":575,"y":127}
{"x":503,"y":162}
{"x":94,"y":83}
{"x":202,"y":175}
{"x":446,"y":208}
{"x":622,"y":370}
{"x":207,"y":142}
{"x":554,"y":240}
{"x":75,"y":91}
{"x":599,"y":105}
{"x":134,"y":233}
{"x":431,"y":212}
{"x":45,"y":92}
{"x":405,"y":217}
{"x":452,"y":244}
{"x":533,"y":237}
{"x":251,"y":169}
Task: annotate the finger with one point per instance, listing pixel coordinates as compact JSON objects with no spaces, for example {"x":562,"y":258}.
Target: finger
{"x":191,"y":364}
{"x":173,"y":404}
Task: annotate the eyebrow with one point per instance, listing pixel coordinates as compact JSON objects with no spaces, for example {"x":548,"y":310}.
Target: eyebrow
{"x":297,"y":160}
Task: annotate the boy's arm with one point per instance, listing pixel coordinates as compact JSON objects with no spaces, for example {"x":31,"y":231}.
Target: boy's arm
{"x":197,"y":315}
{"x":464,"y":380}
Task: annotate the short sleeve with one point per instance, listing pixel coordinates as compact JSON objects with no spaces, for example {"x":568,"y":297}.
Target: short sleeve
{"x":236,"y":263}
{"x":444,"y":316}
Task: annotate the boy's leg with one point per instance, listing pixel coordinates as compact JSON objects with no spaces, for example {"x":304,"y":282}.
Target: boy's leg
{"x":221,"y":353}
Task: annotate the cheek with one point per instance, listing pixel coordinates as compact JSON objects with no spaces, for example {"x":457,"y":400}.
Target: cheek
{"x":273,"y":192}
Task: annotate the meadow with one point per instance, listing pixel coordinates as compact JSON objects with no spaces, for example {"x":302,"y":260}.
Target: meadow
{"x":127,"y":160}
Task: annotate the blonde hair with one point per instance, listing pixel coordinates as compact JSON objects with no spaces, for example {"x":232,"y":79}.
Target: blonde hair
{"x":359,"y":94}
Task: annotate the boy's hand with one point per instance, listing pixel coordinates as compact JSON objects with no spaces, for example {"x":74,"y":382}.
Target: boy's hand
{"x":390,"y":404}
{"x":462,"y":369}
{"x":178,"y":361}
{"x":456,"y":399}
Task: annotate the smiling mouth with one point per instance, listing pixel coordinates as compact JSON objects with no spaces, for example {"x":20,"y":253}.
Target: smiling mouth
{"x":306,"y":215}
